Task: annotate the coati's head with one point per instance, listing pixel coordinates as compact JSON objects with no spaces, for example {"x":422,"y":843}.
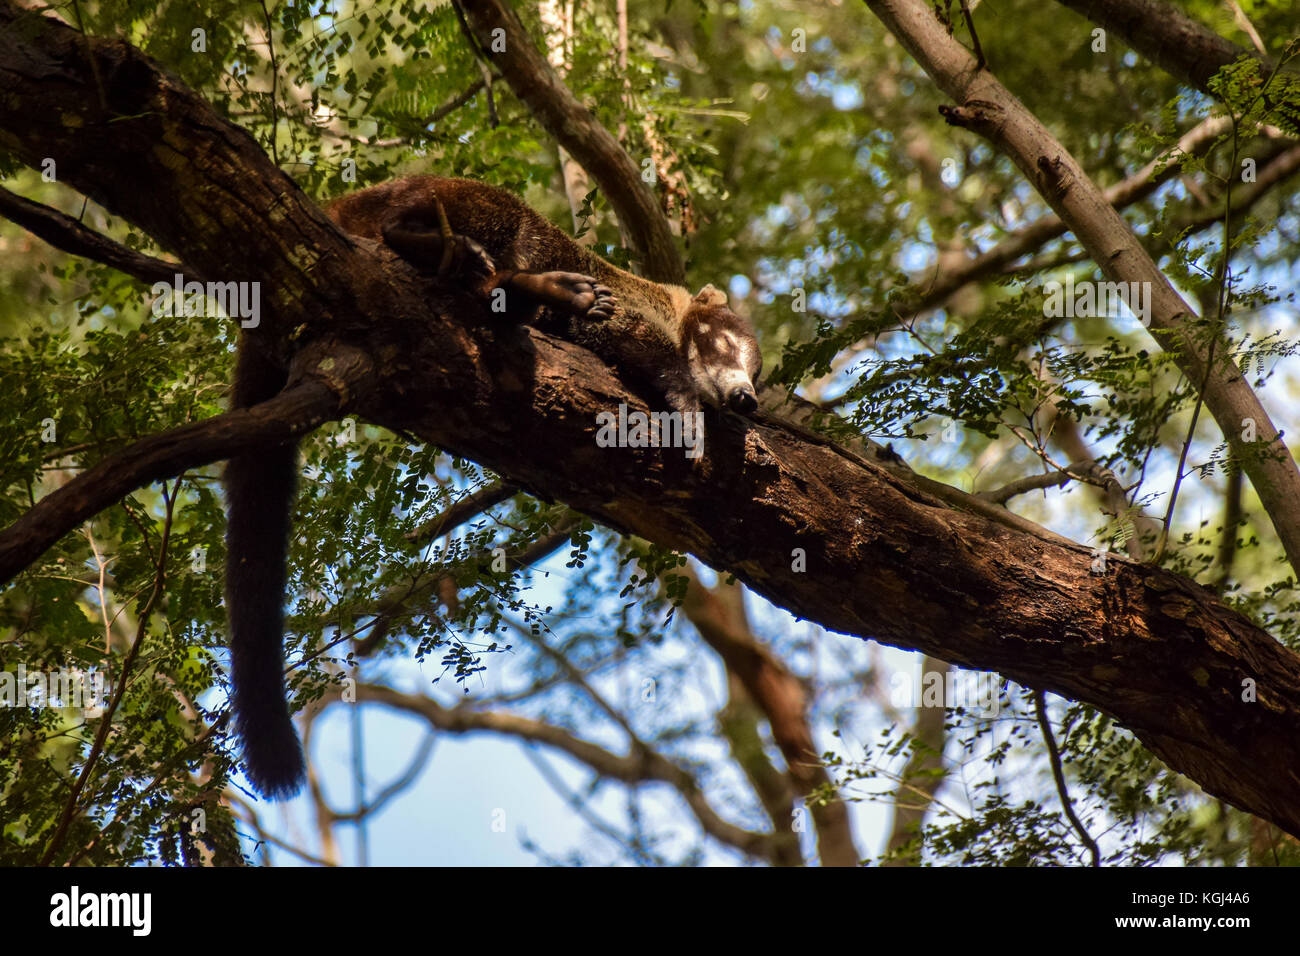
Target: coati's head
{"x":722,"y":352}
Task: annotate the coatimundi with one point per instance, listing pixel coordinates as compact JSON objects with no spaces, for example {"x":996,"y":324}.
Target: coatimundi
{"x":690,"y":349}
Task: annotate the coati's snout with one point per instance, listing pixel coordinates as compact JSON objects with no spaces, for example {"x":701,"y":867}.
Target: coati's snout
{"x":742,"y":400}
{"x":731,"y":387}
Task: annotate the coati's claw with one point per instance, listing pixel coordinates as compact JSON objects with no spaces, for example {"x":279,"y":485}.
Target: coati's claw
{"x":449,"y":249}
{"x":477,"y":261}
{"x":463,"y":256}
{"x":604,"y":306}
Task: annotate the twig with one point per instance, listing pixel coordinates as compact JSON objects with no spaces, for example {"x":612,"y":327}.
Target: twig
{"x":275,"y":78}
{"x":1220,"y":318}
{"x":1040,"y":707}
{"x":464,"y":510}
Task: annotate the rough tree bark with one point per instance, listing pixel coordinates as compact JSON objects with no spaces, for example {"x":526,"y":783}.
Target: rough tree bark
{"x":884,"y":559}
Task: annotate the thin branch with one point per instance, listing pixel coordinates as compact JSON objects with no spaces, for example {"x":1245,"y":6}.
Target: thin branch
{"x":634,"y":768}
{"x":289,"y":415}
{"x":1052,"y":479}
{"x":464,"y":509}
{"x":1232,"y":514}
{"x":1219,"y":318}
{"x":418,"y":762}
{"x":455,"y":103}
{"x":1245,"y":195}
{"x":923,"y":775}
{"x":263,"y":836}
{"x":584,"y":810}
{"x":275,"y":80}
{"x":1134,"y":188}
{"x":1058,"y":774}
{"x":64,"y":232}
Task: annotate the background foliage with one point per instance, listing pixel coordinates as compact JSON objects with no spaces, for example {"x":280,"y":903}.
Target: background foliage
{"x":802,"y":150}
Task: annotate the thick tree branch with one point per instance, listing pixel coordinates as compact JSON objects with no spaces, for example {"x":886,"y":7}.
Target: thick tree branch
{"x":1169,"y":38}
{"x":130,"y":136}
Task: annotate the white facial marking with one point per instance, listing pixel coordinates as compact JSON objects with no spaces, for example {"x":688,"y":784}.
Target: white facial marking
{"x":730,"y":379}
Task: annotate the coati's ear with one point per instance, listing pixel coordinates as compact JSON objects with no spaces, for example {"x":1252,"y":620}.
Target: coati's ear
{"x":710,"y":295}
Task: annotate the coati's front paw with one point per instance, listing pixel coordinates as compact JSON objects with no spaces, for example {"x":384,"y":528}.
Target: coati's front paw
{"x":576,"y":293}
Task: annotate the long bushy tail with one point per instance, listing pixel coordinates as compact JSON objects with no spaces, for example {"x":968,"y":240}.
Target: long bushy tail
{"x":259,"y":500}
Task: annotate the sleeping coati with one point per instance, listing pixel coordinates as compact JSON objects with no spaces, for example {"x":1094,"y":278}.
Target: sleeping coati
{"x":687,"y":347}
{"x":690,"y":349}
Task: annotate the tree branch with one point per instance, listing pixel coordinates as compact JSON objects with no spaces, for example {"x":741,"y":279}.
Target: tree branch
{"x":986,"y":107}
{"x":1169,"y":38}
{"x":719,"y":617}
{"x":921,"y":777}
{"x":462,"y":510}
{"x":506,"y":44}
{"x":634,"y":769}
{"x":289,"y":415}
{"x":1058,"y":776}
{"x":64,"y":232}
{"x":1134,"y":188}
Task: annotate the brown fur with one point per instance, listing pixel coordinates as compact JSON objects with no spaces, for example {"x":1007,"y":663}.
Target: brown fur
{"x":549,"y":280}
